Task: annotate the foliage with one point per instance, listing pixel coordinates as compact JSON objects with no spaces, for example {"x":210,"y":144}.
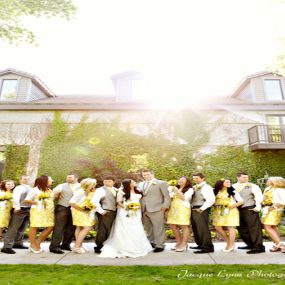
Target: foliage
{"x":16,"y":158}
{"x":228,"y":160}
{"x":96,"y":149}
{"x":11,"y":12}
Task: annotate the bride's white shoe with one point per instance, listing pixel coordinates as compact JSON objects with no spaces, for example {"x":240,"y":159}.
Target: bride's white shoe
{"x":79,"y":250}
{"x":35,"y":251}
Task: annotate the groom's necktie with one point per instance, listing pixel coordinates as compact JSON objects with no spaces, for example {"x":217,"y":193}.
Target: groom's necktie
{"x":145,"y":186}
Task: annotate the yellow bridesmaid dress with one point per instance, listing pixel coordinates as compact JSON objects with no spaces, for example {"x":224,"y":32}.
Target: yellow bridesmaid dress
{"x":178,"y":213}
{"x":270,"y":216}
{"x":5,"y":209}
{"x":86,"y":218}
{"x":42,"y":215}
{"x":222,"y":217}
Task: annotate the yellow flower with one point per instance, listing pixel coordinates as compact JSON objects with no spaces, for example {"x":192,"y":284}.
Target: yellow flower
{"x":6,"y":197}
{"x":88,"y":205}
{"x":172,"y":182}
{"x":43,"y":196}
{"x":133,"y":206}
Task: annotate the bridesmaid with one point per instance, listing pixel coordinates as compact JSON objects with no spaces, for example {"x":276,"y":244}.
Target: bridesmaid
{"x":42,"y":211}
{"x":179,"y":213}
{"x":226,"y":213}
{"x":6,"y":188}
{"x":83,"y":212}
{"x":273,"y":205}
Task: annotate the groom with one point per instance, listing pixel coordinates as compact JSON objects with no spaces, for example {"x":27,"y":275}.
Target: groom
{"x":155,"y":203}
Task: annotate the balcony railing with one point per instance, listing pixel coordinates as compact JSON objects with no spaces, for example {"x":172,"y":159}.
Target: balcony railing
{"x":267,"y":135}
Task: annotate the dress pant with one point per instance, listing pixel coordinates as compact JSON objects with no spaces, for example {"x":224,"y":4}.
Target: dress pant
{"x":63,"y":231}
{"x":105,"y":223}
{"x":201,"y":231}
{"x":154,"y":226}
{"x":16,"y":229}
{"x":250,"y":228}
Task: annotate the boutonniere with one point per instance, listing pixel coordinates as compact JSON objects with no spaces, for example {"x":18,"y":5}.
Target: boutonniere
{"x":153,"y":183}
{"x":197,"y":187}
{"x":247,"y":185}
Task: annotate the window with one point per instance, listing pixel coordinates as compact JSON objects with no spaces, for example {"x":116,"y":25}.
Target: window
{"x":276,"y":129}
{"x":273,"y":89}
{"x":9,"y":89}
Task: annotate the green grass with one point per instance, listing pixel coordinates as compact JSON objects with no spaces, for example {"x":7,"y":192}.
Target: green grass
{"x":85,"y":275}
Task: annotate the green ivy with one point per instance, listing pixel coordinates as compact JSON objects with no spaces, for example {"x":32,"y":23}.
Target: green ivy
{"x":16,"y":158}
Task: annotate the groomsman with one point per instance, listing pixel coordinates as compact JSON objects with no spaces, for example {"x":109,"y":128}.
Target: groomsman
{"x":250,"y":228}
{"x":104,"y":199}
{"x":20,"y":217}
{"x":202,"y":200}
{"x":155,"y":203}
{"x":63,"y":231}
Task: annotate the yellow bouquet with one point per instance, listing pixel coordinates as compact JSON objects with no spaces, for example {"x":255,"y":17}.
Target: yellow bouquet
{"x":172,"y":182}
{"x":6,"y":197}
{"x":42,"y":198}
{"x":224,"y":206}
{"x":132,"y":206}
{"x":88,"y":205}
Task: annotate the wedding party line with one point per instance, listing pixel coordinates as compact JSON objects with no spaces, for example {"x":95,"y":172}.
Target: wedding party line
{"x":130,"y":220}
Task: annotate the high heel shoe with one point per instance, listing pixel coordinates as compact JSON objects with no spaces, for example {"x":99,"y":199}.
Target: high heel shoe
{"x":228,"y":250}
{"x":78,"y":250}
{"x":174,"y":247}
{"x":185,"y":248}
{"x":277,"y":247}
{"x":34,"y":251}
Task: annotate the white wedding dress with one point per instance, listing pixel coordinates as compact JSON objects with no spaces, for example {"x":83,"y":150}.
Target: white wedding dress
{"x":127,"y":237}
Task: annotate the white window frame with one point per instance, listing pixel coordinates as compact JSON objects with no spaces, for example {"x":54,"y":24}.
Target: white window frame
{"x":2,"y":83}
{"x":281,"y":89}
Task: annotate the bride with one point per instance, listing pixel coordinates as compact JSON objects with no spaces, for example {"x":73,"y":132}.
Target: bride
{"x":127,"y":237}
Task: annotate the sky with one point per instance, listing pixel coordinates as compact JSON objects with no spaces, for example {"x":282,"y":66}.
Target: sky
{"x":184,"y":48}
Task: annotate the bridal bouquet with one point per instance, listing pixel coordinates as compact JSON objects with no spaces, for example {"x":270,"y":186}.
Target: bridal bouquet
{"x":42,"y":199}
{"x":224,"y":206}
{"x":132,"y":207}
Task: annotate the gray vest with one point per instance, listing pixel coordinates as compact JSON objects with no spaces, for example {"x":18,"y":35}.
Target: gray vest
{"x":197,"y":198}
{"x":108,"y":202}
{"x":24,"y":195}
{"x":247,"y":196}
{"x":65,"y":195}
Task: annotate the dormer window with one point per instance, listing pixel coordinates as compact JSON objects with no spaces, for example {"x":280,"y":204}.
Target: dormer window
{"x":273,"y":89}
{"x":9,"y":89}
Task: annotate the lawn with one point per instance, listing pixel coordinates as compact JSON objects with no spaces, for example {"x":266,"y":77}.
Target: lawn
{"x":185,"y":274}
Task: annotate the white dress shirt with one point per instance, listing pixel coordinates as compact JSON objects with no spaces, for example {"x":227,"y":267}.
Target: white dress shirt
{"x":208,"y":194}
{"x":17,"y":192}
{"x":256,"y":191}
{"x":98,"y":195}
{"x":278,"y":196}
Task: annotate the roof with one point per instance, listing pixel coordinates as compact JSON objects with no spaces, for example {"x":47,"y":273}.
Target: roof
{"x":247,"y":79}
{"x":33,"y":77}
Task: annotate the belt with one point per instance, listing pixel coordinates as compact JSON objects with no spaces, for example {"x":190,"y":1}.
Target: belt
{"x":248,"y":207}
{"x":25,"y":208}
{"x":196,"y":207}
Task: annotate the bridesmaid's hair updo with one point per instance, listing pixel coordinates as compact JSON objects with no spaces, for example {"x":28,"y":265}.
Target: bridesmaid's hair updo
{"x":219,"y":186}
{"x":87,"y":183}
{"x":127,"y":188}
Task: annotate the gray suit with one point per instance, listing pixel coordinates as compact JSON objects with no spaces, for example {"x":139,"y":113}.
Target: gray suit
{"x":155,"y":197}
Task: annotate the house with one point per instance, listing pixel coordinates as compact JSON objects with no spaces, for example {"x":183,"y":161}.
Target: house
{"x":253,"y":115}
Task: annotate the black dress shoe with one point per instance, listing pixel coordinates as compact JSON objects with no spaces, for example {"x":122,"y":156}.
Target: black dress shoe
{"x":152,"y":244}
{"x":97,"y":249}
{"x":20,"y":246}
{"x":203,"y":251}
{"x":158,"y":249}
{"x":8,"y":250}
{"x":66,"y":248}
{"x":253,"y":251}
{"x":195,"y":247}
{"x":56,"y":251}
{"x":244,"y":247}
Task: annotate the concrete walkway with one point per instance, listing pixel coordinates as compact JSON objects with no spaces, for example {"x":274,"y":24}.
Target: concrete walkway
{"x":167,"y":257}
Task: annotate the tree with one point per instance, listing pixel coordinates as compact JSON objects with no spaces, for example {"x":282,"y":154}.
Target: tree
{"x":11,"y":12}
